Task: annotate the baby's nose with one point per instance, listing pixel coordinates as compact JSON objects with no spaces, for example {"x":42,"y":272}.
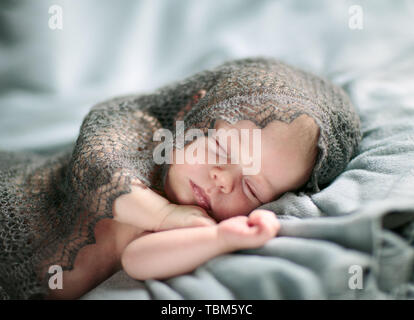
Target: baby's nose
{"x":223,"y":179}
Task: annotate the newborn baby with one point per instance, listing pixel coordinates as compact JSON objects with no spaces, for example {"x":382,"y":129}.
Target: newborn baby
{"x":162,"y":220}
{"x":287,"y":159}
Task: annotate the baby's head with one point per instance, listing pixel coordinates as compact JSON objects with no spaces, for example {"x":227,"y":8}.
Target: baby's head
{"x":308,"y":127}
{"x":287,"y":156}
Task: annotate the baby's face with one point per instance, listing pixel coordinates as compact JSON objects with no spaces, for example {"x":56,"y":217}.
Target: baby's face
{"x":224,"y":190}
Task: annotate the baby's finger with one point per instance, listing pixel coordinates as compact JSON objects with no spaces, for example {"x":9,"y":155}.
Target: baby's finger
{"x":257,"y":216}
{"x":266,"y":220}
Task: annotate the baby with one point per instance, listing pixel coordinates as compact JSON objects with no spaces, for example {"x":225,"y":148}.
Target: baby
{"x":210,"y":211}
{"x":308,"y":133}
{"x":286,"y":163}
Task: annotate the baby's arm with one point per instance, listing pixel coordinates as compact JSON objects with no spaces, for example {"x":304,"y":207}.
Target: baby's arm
{"x":148,"y":210}
{"x":170,"y":253}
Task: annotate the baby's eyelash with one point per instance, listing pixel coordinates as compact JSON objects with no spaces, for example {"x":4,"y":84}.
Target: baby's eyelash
{"x":223,"y":152}
{"x":251,"y":191}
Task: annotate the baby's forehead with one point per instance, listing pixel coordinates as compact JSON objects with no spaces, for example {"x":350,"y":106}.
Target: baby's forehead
{"x":303,"y":125}
{"x":296,"y":138}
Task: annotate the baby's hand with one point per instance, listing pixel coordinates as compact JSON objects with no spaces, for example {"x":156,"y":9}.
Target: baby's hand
{"x":184,"y":216}
{"x":254,"y":231}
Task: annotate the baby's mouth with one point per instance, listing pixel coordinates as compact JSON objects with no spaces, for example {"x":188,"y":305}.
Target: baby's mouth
{"x":200,"y":196}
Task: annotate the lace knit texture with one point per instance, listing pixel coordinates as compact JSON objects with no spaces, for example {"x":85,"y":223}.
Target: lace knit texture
{"x":49,"y":205}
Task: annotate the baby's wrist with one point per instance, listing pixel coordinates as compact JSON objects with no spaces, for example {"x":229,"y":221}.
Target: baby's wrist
{"x":225,"y":242}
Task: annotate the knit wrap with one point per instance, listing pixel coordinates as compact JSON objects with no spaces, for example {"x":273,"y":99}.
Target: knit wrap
{"x":49,"y":205}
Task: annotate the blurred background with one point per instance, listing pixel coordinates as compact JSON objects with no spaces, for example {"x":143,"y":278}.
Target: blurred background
{"x":58,"y":58}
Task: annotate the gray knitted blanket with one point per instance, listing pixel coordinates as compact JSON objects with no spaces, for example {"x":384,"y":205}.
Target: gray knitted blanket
{"x":50,"y":204}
